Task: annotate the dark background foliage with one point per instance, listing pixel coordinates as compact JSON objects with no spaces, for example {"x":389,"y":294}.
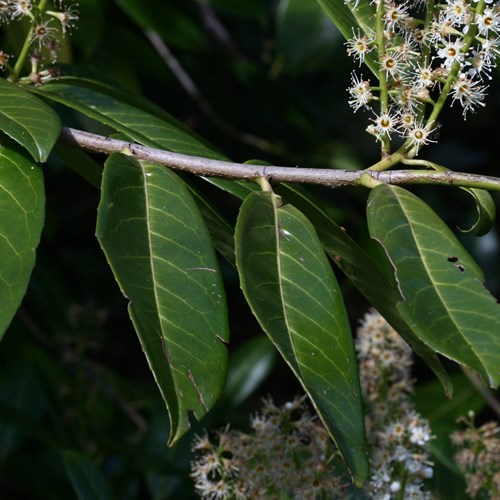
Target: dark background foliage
{"x":73,"y":376}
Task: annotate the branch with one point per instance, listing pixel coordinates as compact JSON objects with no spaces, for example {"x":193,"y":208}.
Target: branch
{"x":241,"y":171}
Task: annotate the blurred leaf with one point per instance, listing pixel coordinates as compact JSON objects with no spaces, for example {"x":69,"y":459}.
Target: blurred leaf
{"x":486,"y":212}
{"x":244,"y":9}
{"x":91,"y":25}
{"x":28,"y":120}
{"x":441,"y":285}
{"x":249,"y":366}
{"x":168,"y":20}
{"x":162,"y":257}
{"x":291,"y":289}
{"x":347,"y":18}
{"x":20,"y":391}
{"x":87,"y":480}
{"x":447,"y":482}
{"x":365,"y":274}
{"x":430,"y":402}
{"x":306,"y":37}
{"x":82,"y":164}
{"x":22,"y":208}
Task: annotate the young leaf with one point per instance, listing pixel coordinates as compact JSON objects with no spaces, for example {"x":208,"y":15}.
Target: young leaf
{"x":28,"y":120}
{"x":364,"y":273}
{"x":22,"y":208}
{"x":444,"y":300}
{"x":291,"y":289}
{"x":162,"y":257}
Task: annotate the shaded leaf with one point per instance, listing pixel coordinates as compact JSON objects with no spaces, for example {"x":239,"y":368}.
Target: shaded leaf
{"x":139,"y":120}
{"x":291,"y":289}
{"x":347,"y":18}
{"x":22,"y":209}
{"x":87,"y":480}
{"x":305,"y":34}
{"x":160,"y":252}
{"x":28,"y":120}
{"x":431,"y":405}
{"x":248,"y":368}
{"x":364,"y":273}
{"x":441,"y":286}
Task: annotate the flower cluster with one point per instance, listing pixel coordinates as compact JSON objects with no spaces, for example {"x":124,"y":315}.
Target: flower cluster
{"x":397,"y":435}
{"x":478,"y":456}
{"x":48,"y":27}
{"x":423,"y":52}
{"x":289,"y":454}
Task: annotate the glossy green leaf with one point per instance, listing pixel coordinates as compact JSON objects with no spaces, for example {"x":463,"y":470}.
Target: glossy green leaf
{"x":28,"y":120}
{"x":364,"y":273}
{"x":306,"y":36}
{"x":138,"y":119}
{"x":87,"y":480}
{"x":291,"y":289}
{"x":443,"y":297}
{"x":347,"y":18}
{"x":162,"y":257}
{"x":22,"y":209}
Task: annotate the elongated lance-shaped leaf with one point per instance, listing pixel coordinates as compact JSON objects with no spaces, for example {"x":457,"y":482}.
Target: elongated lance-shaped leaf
{"x":291,"y":289}
{"x":444,"y":300}
{"x":28,"y":120}
{"x":138,"y":119}
{"x":162,"y":257}
{"x":22,"y":214}
{"x":364,"y":273}
{"x":348,"y":16}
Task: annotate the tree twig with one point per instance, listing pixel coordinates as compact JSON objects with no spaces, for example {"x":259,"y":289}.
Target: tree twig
{"x":242,"y":171}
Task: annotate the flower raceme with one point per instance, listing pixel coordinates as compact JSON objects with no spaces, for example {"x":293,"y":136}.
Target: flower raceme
{"x":424,"y":53}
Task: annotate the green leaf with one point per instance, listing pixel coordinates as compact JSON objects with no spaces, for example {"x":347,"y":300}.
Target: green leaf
{"x":305,"y":35}
{"x":248,"y":368}
{"x":137,"y":118}
{"x":291,"y":289}
{"x":87,"y":480}
{"x":169,"y":21}
{"x":431,"y":404}
{"x":364,"y":273}
{"x":162,"y":257}
{"x":81,"y":163}
{"x":28,"y":120}
{"x":346,"y":18}
{"x":22,"y":209}
{"x":441,"y":285}
{"x":486,"y":212}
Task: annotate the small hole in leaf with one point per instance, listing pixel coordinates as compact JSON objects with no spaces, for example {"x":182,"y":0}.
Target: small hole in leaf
{"x":452,"y":259}
{"x":461,"y":268}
